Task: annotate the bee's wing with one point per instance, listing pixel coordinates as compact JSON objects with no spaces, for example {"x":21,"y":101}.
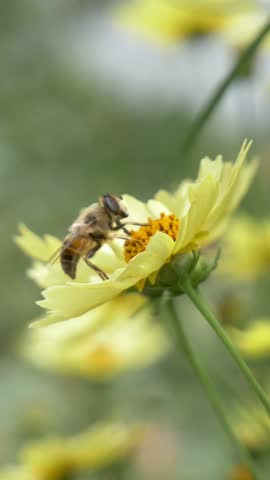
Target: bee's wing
{"x":55,"y":256}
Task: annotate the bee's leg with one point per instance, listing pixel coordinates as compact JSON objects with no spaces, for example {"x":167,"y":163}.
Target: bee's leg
{"x":90,"y":254}
{"x":125,"y":230}
{"x":118,"y":226}
{"x":122,"y":226}
{"x":116,"y":236}
{"x":140,"y":224}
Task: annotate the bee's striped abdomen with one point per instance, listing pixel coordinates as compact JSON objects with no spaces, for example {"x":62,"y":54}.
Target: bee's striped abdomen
{"x":69,"y":261}
{"x":70,"y":255}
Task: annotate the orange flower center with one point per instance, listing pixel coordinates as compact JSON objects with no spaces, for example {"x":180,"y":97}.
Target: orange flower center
{"x":139,"y":239}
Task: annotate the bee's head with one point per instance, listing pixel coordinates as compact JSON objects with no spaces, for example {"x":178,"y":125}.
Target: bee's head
{"x":113,"y":204}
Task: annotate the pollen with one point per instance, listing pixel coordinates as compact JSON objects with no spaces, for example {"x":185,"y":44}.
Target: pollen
{"x":139,"y":239}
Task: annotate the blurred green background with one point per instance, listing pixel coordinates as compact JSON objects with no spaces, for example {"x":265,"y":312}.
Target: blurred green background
{"x":65,"y":138}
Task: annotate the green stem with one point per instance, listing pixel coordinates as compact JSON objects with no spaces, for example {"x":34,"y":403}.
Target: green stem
{"x":218,"y":94}
{"x":201,"y":305}
{"x":183,"y":342}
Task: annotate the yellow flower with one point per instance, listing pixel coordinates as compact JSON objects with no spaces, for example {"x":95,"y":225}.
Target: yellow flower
{"x":54,"y":457}
{"x":168,"y":21}
{"x":101,"y":445}
{"x":191,"y":218}
{"x":246,"y":249}
{"x":117,"y":336}
{"x":255,"y":341}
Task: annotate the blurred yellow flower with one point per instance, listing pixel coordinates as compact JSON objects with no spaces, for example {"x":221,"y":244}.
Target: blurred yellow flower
{"x":103,"y":445}
{"x":16,"y":473}
{"x":48,"y":459}
{"x":191,"y":218}
{"x":255,"y":341}
{"x":167,"y":21}
{"x":98,"y":447}
{"x":251,"y":426}
{"x":242,"y":27}
{"x":117,"y":336}
{"x":246,"y":249}
{"x":241,"y":472}
{"x":53,"y":458}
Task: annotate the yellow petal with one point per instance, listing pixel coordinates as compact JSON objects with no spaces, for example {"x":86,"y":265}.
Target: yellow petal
{"x":120,"y":308}
{"x":74,"y":299}
{"x":157,"y":253}
{"x":137,"y":210}
{"x":232,"y":188}
{"x":156,"y":208}
{"x":210,"y":167}
{"x":105,"y":341}
{"x":47,"y":275}
{"x":35,"y":246}
{"x":202,"y":197}
{"x":167,"y":199}
{"x":16,"y":473}
{"x":177,"y":202}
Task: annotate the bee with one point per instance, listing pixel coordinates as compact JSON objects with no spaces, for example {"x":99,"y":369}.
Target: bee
{"x":95,"y":226}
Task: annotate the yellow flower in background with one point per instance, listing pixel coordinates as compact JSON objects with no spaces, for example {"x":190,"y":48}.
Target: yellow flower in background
{"x":48,"y":459}
{"x":103,"y":445}
{"x":190,"y":219}
{"x":168,"y":21}
{"x":117,"y":336}
{"x":246,"y":249}
{"x":96,"y":448}
{"x":55,"y":457}
{"x":254,"y":342}
{"x":251,"y":426}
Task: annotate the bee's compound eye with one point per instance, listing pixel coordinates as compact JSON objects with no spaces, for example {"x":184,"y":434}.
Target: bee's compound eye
{"x":111,"y":204}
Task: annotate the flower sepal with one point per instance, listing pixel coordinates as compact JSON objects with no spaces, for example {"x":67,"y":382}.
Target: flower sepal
{"x":192,"y":267}
{"x":182,"y":268}
{"x":203,"y":268}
